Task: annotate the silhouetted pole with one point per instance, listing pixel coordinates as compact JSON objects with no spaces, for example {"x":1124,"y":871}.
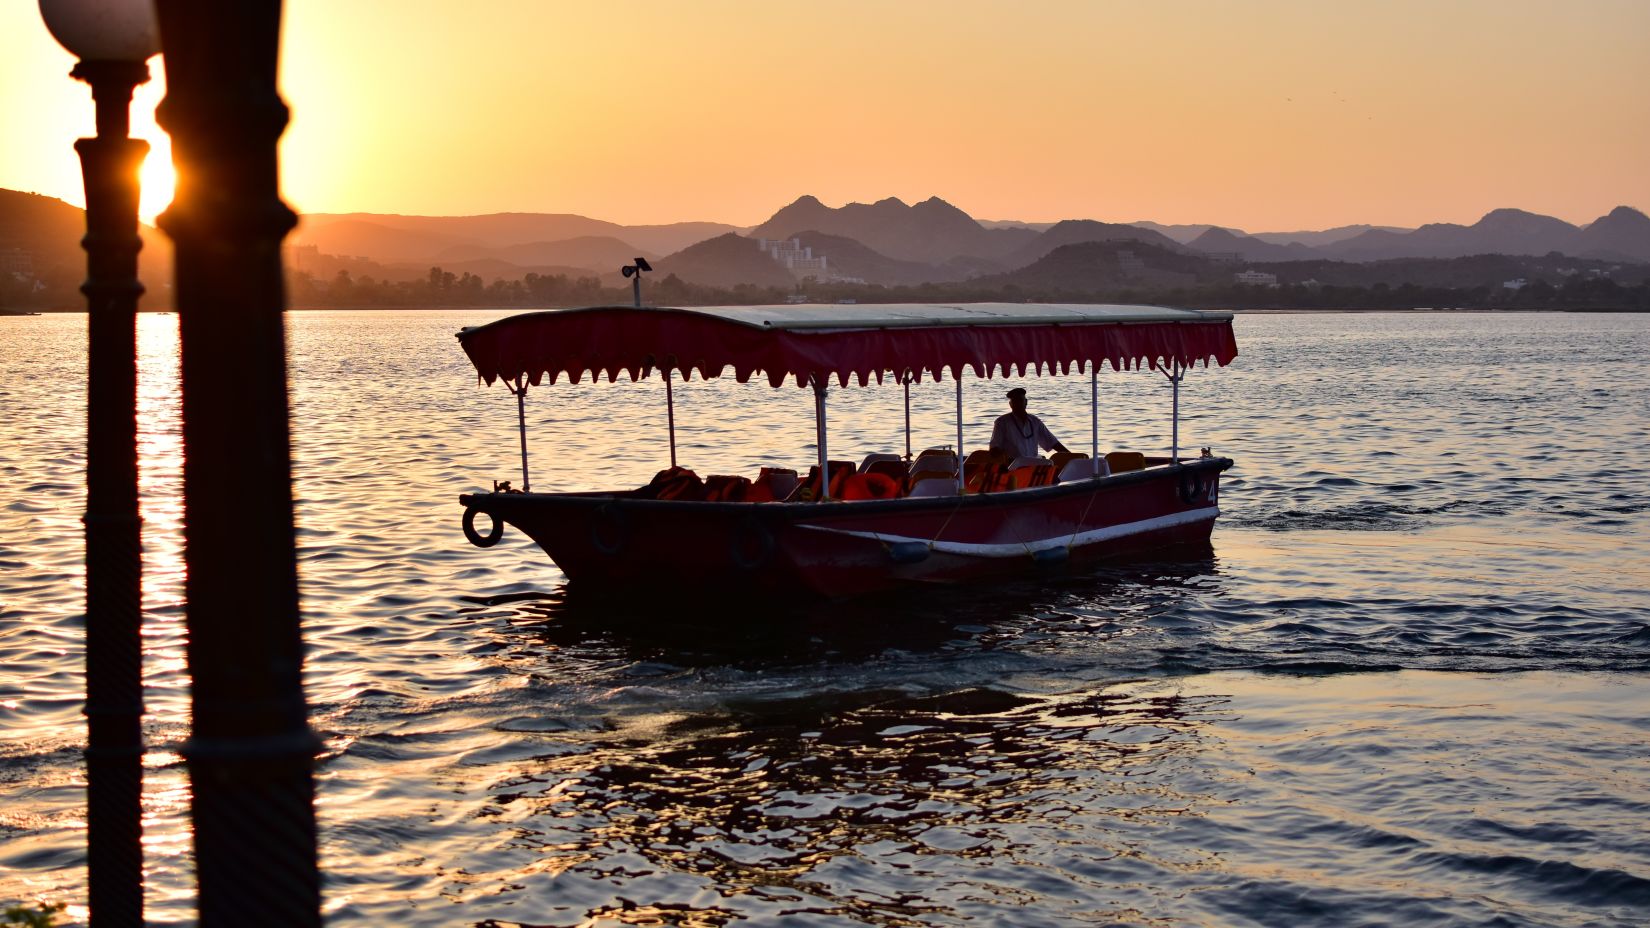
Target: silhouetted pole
{"x":113,"y":39}
{"x":114,"y":555}
{"x":251,"y":752}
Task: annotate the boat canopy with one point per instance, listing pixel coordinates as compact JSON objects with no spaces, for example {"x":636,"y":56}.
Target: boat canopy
{"x":842,"y":341}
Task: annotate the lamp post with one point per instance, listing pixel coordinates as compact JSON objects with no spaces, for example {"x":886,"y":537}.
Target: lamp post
{"x":250,"y":751}
{"x":113,"y":40}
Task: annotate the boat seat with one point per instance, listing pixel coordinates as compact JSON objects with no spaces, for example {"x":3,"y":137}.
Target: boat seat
{"x":894,"y":469}
{"x":933,"y":466}
{"x":1061,"y":458}
{"x":1018,"y":463}
{"x":876,"y":458}
{"x":935,"y":463}
{"x":934,"y":486}
{"x":1119,"y":462}
{"x":772,"y":483}
{"x":1082,"y":468}
{"x":1031,"y":475}
{"x":808,"y":489}
{"x":983,"y":457}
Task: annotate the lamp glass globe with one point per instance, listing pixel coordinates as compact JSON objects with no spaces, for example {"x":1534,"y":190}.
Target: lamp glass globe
{"x":104,"y":30}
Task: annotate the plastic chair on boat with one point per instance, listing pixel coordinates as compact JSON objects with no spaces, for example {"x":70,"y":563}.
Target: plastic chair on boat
{"x":1082,"y":468}
{"x":876,"y":457}
{"x":1040,"y":474}
{"x":1061,"y":458}
{"x":774,"y":483}
{"x":983,"y":470}
{"x":894,"y":470}
{"x":933,"y":466}
{"x":934,"y":486}
{"x":808,"y":490}
{"x":1119,"y":462}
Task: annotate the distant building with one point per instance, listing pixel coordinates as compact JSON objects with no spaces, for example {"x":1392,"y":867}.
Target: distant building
{"x":302,"y":257}
{"x":1130,"y":264}
{"x":1516,"y":284}
{"x":794,"y":257}
{"x":1256,"y":278}
{"x":1225,"y":257}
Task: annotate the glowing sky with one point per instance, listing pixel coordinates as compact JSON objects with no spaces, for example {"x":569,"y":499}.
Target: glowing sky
{"x":1266,"y":115}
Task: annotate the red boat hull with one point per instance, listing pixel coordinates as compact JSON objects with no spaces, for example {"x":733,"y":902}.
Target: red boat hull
{"x":617,"y":541}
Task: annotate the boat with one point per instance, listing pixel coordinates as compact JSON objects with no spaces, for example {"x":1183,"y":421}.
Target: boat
{"x":849,"y":527}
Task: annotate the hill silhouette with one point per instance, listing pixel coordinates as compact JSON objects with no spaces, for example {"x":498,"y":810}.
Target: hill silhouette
{"x":1217,"y":240}
{"x":1076,"y":231}
{"x":601,"y":253}
{"x":1622,"y":233}
{"x":725,"y":261}
{"x":50,"y":230}
{"x":496,"y":230}
{"x":932,"y":231}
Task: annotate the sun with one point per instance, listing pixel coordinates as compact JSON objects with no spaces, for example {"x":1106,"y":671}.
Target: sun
{"x":158,"y":180}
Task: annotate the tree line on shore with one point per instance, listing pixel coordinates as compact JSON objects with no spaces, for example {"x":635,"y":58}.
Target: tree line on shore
{"x":444,"y":289}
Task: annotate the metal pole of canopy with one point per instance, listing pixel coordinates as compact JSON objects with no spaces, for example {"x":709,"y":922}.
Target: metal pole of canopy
{"x":1174,"y":381}
{"x":957,"y":372}
{"x":520,"y":390}
{"x":1094,"y":413}
{"x":820,"y":425}
{"x":670,"y":415}
{"x":906,"y":379}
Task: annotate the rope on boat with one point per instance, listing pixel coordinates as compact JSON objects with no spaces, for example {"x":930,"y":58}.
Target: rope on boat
{"x":1080,"y":520}
{"x":945,"y":525}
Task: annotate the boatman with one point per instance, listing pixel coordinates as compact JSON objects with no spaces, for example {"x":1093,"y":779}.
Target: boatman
{"x":1019,"y":434}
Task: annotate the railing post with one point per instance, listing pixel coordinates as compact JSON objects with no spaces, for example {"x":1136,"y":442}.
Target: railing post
{"x":250,"y":751}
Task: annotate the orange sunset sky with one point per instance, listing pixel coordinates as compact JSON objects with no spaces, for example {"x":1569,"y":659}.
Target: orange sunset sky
{"x":1269,"y":116}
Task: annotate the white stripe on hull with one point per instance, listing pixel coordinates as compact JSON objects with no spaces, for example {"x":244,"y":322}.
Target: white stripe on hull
{"x":1022,"y":548}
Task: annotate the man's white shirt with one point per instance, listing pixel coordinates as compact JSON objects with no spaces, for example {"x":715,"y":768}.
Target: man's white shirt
{"x":1021,"y":438}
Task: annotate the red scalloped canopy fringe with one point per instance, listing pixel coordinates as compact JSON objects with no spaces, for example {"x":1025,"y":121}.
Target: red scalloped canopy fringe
{"x":608,"y":342}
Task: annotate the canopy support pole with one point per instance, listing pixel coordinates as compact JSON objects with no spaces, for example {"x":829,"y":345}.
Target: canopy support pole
{"x":670,"y":415}
{"x":906,"y":379}
{"x":824,"y":452}
{"x":520,"y":390}
{"x":957,"y":373}
{"x":1094,"y":413}
{"x":1179,"y":374}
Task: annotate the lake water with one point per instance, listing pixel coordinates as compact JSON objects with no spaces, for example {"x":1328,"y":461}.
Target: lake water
{"x":1409,"y":687}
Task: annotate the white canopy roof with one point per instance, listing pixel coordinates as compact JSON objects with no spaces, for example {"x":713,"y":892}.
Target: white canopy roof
{"x":849,"y":316}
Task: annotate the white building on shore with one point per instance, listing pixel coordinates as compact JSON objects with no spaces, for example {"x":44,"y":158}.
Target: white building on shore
{"x":795,"y":257}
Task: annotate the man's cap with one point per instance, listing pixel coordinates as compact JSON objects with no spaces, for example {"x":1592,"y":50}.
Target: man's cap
{"x":1018,"y":393}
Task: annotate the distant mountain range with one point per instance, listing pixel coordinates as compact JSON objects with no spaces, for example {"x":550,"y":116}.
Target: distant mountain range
{"x":886,"y":242}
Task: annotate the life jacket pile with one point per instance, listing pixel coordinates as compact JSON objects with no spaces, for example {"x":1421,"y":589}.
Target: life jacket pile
{"x":673,"y":483}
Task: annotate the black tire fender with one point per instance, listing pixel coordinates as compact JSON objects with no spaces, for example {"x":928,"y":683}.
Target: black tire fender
{"x":476,"y":538}
{"x":750,"y":546}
